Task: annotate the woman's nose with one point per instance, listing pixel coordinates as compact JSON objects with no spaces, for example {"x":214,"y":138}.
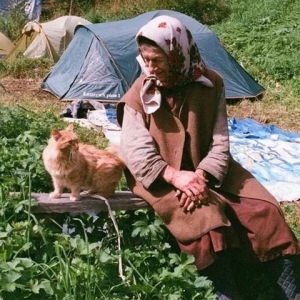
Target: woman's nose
{"x":151,"y":66}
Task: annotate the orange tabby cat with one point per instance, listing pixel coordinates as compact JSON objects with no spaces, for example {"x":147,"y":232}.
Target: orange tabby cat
{"x":79,"y":166}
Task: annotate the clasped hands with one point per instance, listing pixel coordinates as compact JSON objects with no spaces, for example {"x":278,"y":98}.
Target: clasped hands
{"x":191,"y":187}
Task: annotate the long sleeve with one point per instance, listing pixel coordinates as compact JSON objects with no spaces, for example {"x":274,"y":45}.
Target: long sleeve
{"x":137,"y":148}
{"x":217,"y":159}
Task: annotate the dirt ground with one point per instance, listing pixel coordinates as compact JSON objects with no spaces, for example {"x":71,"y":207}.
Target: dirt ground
{"x":27,"y":92}
{"x":29,"y":87}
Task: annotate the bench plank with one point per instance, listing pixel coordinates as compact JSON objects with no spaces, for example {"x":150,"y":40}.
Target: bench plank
{"x":122,"y":200}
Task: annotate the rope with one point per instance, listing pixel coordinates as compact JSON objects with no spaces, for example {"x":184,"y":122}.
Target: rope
{"x":121,"y":273}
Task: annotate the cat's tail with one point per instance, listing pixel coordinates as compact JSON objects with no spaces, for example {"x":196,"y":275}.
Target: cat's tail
{"x":115,"y":150}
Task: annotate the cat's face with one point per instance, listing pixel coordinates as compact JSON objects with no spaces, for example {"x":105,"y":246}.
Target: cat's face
{"x":66,"y":140}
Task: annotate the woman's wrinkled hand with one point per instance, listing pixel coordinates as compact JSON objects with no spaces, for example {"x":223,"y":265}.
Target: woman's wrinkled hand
{"x":192,"y":190}
{"x":191,"y":187}
{"x":189,"y":204}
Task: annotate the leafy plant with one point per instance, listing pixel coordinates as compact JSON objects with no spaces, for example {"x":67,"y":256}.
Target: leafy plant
{"x":76,"y":257}
{"x":206,"y":11}
{"x":23,"y":137}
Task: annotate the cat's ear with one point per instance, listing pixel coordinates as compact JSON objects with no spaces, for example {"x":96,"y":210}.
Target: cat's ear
{"x":70,"y":127}
{"x":55,"y":134}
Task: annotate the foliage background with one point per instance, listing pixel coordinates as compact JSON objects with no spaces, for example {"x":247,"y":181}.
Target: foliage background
{"x":76,"y":256}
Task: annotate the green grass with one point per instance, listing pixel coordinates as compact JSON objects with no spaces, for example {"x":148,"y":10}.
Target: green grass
{"x":263,"y":37}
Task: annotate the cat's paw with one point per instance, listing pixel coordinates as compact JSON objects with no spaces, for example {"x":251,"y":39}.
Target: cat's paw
{"x":74,"y":198}
{"x":54,"y":195}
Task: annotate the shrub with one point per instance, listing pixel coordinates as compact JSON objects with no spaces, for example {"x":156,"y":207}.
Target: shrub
{"x":13,"y":24}
{"x":205,"y":11}
{"x":23,"y":135}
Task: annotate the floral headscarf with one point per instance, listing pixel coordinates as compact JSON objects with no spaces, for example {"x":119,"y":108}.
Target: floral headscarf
{"x":185,"y":60}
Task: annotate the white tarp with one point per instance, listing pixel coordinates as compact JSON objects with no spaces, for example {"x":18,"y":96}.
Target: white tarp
{"x":270,"y":154}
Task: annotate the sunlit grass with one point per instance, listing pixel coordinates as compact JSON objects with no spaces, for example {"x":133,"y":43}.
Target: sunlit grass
{"x":278,"y":107}
{"x":292,"y":214}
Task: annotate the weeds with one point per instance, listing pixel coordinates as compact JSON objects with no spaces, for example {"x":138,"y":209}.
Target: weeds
{"x":77,"y":258}
{"x":13,"y":24}
{"x":23,"y":135}
{"x":208,"y":12}
{"x":24,"y":67}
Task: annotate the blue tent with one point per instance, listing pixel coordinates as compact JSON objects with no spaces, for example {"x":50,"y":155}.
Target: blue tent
{"x":100,"y":62}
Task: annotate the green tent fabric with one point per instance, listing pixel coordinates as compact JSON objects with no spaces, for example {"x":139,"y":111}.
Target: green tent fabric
{"x":100,"y":62}
{"x":49,"y":39}
{"x":6,"y":45}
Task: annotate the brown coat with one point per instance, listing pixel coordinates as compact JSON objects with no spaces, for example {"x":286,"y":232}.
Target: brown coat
{"x":196,"y":121}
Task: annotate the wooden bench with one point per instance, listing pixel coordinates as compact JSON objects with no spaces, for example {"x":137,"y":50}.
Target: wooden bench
{"x":122,"y":200}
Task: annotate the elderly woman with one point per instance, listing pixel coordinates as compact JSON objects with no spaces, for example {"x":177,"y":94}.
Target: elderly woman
{"x":175,"y":144}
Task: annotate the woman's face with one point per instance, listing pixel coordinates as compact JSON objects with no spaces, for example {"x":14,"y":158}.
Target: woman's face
{"x":157,"y":62}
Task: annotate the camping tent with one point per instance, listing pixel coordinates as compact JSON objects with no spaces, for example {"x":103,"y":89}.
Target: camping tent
{"x":48,"y":39}
{"x":6,"y":45}
{"x":100,"y":62}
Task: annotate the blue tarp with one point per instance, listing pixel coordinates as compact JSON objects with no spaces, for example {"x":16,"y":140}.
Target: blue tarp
{"x":272,"y":155}
{"x":100,"y":62}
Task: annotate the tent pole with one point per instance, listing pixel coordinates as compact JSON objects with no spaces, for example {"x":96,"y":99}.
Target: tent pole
{"x":70,"y":10}
{"x":113,"y":61}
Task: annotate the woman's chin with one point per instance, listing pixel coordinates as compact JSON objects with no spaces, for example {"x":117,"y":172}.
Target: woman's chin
{"x":164,"y":83}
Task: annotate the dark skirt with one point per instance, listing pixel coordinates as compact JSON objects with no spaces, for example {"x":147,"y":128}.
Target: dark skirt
{"x":258,"y":228}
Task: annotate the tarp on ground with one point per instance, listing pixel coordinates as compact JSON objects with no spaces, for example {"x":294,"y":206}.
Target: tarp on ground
{"x":49,"y":39}
{"x":100,"y":62}
{"x":271,"y":154}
